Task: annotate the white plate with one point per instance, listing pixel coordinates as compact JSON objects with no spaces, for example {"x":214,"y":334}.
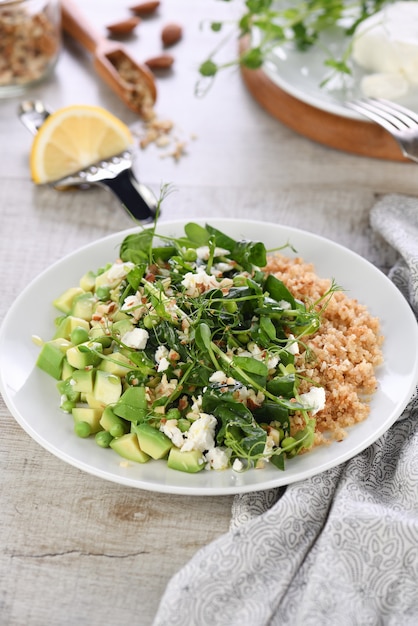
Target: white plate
{"x":32,"y":397}
{"x":300,"y":74}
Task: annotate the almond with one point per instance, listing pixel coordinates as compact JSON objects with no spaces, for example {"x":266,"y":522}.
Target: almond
{"x":162,"y":62}
{"x":145,"y":8}
{"x":171,"y":34}
{"x":124,"y":27}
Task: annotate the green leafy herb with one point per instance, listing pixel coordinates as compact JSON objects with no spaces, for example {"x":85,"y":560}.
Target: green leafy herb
{"x":267,"y":24}
{"x":193,"y":326}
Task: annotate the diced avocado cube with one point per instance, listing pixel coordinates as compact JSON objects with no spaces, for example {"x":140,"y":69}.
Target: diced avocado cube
{"x":120,"y":315}
{"x":99,"y":333}
{"x":64,"y":302}
{"x":83,"y":306}
{"x":107,"y":387}
{"x":132,"y":404}
{"x":83,"y":380}
{"x":191,"y":461}
{"x":117,"y":364}
{"x":88,"y":281}
{"x":89,"y":415}
{"x":92,"y":401}
{"x":68,"y":324}
{"x":115,"y":425}
{"x":102,"y":280}
{"x":67,"y":370}
{"x":84,"y":355}
{"x":152,"y":441}
{"x":51,"y":357}
{"x":127,"y":446}
{"x":122,"y":326}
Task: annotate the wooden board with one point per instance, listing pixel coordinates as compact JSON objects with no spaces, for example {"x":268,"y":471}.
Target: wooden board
{"x":363,"y":138}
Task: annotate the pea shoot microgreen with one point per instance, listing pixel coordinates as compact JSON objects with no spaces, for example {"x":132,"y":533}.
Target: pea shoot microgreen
{"x":280,"y":22}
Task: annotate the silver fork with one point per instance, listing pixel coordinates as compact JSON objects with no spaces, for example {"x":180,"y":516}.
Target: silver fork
{"x":115,"y":173}
{"x":400,"y":122}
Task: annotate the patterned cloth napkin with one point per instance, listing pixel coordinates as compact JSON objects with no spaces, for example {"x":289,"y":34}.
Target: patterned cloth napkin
{"x":340,"y":548}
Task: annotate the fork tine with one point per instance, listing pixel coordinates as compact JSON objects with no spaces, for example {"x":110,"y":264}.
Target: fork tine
{"x":385,"y":119}
{"x":389,"y":106}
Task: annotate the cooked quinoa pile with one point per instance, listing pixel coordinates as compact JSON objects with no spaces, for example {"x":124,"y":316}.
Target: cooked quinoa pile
{"x":343,"y":354}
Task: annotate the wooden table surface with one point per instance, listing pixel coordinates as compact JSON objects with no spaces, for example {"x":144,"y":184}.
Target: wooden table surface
{"x":76,"y":549}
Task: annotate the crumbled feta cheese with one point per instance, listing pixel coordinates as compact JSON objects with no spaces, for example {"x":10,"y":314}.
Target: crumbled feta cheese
{"x":386,"y":43}
{"x":130,"y":302}
{"x":218,"y":458}
{"x":218,"y":377}
{"x":119,"y":271}
{"x":163,"y":365}
{"x":221,"y":268}
{"x":173,"y":432}
{"x":292,"y":346}
{"x":160,"y":353}
{"x":285,"y":305}
{"x":237,"y":465}
{"x":203,"y":252}
{"x":314,"y":399}
{"x":201,"y":434}
{"x":136,"y":338}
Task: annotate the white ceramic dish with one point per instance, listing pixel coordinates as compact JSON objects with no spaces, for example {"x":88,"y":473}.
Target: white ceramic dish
{"x":300,"y":74}
{"x":32,"y":397}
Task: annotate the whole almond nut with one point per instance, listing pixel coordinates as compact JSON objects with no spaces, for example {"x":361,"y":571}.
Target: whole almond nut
{"x":145,"y":8}
{"x":124,"y":27}
{"x":162,"y":62}
{"x":171,"y":34}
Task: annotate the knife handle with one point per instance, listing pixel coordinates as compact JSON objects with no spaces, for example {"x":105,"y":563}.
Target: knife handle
{"x":137,"y":199}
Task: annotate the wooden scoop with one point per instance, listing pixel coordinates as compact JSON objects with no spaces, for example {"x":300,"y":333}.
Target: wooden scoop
{"x":130,"y":80}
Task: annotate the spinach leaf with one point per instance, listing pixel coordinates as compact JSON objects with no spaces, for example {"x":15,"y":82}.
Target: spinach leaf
{"x":278,"y":290}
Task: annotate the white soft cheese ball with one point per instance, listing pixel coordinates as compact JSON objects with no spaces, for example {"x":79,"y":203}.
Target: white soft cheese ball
{"x":386,"y":44}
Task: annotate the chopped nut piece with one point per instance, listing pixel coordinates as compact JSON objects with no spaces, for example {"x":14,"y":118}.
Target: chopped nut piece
{"x":29,"y":45}
{"x":138,"y":92}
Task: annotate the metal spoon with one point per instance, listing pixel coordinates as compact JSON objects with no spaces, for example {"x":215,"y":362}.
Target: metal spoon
{"x":130,"y":80}
{"x":114,"y":173}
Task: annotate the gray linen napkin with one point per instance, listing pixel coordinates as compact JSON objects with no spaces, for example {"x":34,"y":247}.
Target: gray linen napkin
{"x":339,"y":548}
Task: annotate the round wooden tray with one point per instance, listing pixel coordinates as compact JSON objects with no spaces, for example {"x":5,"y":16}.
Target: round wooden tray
{"x":363,"y":138}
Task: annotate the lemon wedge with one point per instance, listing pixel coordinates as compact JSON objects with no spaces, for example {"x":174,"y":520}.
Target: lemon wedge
{"x":73,"y":138}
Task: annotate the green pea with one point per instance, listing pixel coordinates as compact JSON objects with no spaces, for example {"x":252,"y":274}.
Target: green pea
{"x":190,"y":254}
{"x":288,"y":442}
{"x":173,"y":414}
{"x":67,"y":406}
{"x":150,"y":321}
{"x":117,"y":430}
{"x":82,"y":429}
{"x":103,"y":438}
{"x":183,"y":424}
{"x":230,"y":306}
{"x":79,"y":335}
{"x":239,"y":281}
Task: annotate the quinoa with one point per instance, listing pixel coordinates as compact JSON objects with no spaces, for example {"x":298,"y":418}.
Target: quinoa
{"x":342,"y":356}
